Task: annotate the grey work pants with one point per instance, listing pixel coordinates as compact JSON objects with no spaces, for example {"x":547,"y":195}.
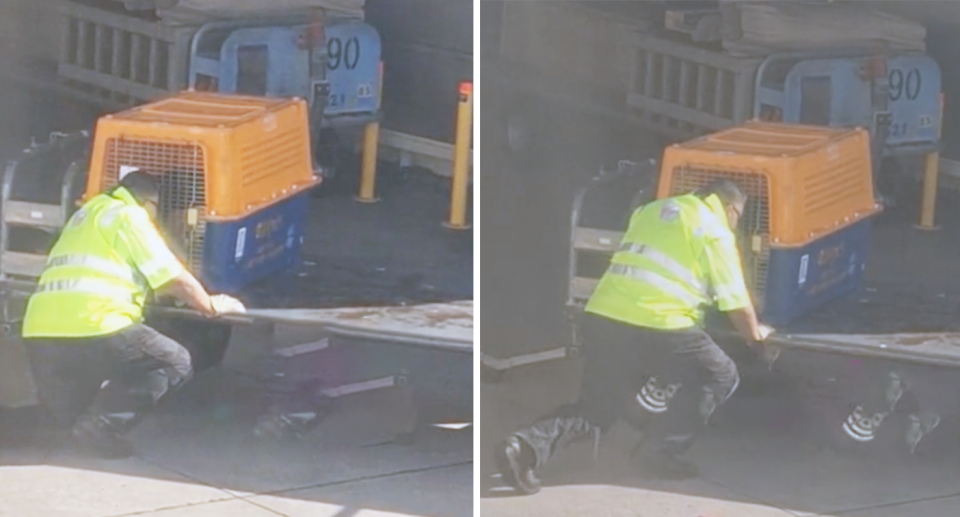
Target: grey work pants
{"x":665,"y":383}
{"x":140,"y":364}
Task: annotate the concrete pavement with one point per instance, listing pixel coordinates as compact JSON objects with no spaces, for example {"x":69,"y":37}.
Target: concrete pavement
{"x":197,"y":457}
{"x":747,"y":469}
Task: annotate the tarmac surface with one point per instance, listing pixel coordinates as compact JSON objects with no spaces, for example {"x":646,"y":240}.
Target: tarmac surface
{"x":197,"y":456}
{"x":748,"y":468}
{"x":759,"y":458}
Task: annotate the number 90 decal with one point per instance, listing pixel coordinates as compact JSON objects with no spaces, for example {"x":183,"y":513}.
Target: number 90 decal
{"x":343,"y":53}
{"x":905,"y":86}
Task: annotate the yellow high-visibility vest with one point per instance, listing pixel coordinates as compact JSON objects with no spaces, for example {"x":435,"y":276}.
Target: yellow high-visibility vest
{"x":677,"y":256}
{"x":100,"y":271}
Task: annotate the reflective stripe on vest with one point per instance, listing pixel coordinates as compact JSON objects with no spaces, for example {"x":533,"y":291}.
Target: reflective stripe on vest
{"x":90,"y":286}
{"x":659,"y":281}
{"x":657,"y":278}
{"x":87,"y":286}
{"x":98,"y":264}
{"x":675,"y":268}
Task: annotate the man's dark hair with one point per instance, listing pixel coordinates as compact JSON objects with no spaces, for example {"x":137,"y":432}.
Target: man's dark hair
{"x":143,"y":186}
{"x":727,"y":190}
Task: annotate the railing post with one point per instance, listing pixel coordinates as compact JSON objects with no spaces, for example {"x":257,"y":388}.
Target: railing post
{"x":931,"y":178}
{"x":460,"y":177}
{"x":371,"y":144}
{"x":368,"y":168}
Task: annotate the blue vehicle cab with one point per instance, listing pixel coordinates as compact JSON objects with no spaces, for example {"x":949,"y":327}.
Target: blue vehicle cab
{"x":335,"y":65}
{"x":902,"y":94}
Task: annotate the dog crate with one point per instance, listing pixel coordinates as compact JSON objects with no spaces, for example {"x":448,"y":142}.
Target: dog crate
{"x":804,"y":231}
{"x":233,"y":172}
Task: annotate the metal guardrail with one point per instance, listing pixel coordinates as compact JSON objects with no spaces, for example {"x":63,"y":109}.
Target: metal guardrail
{"x":949,"y":173}
{"x":415,"y":151}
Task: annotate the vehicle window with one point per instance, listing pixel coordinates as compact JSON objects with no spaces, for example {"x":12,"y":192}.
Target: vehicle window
{"x":252,"y":70}
{"x":815,"y":100}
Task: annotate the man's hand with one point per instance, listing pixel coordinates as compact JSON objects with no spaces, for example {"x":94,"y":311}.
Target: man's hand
{"x":747,"y":325}
{"x":763,"y":332}
{"x":225,"y":304}
{"x":768,"y":353}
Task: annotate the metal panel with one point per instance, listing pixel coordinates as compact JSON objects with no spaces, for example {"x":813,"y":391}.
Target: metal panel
{"x":354,"y":75}
{"x":941,"y":349}
{"x":581,"y":288}
{"x":22,"y":264}
{"x":34,"y":214}
{"x":120,"y":55}
{"x":680,"y":113}
{"x":590,"y":239}
{"x":17,"y":388}
{"x":680,"y":88}
{"x":447,"y":326}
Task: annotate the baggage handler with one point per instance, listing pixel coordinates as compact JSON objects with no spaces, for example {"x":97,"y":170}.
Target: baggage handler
{"x":647,"y":358}
{"x":99,"y":369}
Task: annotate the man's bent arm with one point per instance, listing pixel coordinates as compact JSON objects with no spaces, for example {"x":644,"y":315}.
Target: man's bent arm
{"x":725,"y":271}
{"x":187,"y":289}
{"x":746,"y":323}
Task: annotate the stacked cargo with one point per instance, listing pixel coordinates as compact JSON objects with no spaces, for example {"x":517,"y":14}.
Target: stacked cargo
{"x":761,"y":29}
{"x":194,"y":11}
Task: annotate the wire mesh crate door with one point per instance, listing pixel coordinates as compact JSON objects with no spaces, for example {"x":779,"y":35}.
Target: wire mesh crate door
{"x":754,"y":230}
{"x":183,"y":205}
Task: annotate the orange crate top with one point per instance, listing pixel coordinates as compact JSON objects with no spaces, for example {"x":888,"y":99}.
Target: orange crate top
{"x":815,"y":179}
{"x":249,"y":151}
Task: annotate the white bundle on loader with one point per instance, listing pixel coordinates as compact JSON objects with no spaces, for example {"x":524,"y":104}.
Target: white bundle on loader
{"x":189,"y":10}
{"x":762,"y":28}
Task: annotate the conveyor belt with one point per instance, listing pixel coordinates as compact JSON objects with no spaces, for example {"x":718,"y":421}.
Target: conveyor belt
{"x":923,"y":348}
{"x":939,"y":349}
{"x":446,"y":326}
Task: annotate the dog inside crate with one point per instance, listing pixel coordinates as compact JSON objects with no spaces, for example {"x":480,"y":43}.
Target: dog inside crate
{"x":181,"y":213}
{"x":182,"y":204}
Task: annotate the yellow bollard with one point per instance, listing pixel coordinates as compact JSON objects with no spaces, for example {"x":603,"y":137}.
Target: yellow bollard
{"x":931,"y":173}
{"x":460,"y":180}
{"x":371,"y":144}
{"x":368,"y":168}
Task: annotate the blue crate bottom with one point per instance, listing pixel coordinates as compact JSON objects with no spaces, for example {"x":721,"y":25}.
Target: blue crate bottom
{"x":802,"y":279}
{"x":239,"y":252}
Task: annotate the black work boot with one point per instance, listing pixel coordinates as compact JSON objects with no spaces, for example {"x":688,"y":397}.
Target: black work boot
{"x":516,"y":465}
{"x":91,"y":437}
